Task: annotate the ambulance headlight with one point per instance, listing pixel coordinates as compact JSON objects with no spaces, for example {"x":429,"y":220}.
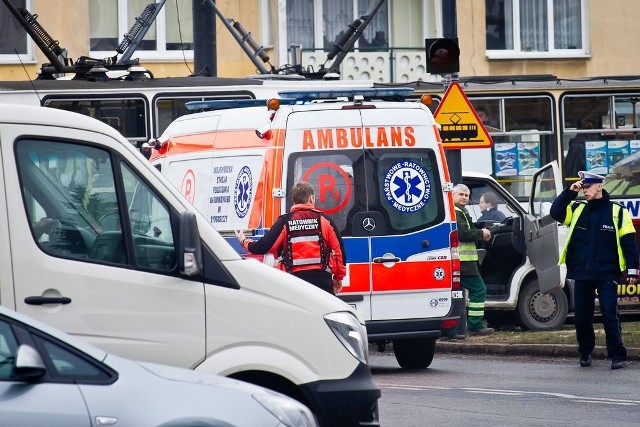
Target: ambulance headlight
{"x":350,"y":333}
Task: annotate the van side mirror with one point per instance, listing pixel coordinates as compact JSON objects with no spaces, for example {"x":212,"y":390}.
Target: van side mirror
{"x":189,"y":245}
{"x":29,"y":365}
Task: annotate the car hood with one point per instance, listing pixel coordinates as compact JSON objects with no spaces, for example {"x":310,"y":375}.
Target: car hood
{"x":193,"y":377}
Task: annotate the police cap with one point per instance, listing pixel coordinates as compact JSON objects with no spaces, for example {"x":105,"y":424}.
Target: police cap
{"x":589,"y":178}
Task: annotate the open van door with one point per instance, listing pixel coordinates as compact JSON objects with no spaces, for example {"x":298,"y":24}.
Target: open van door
{"x":541,"y":231}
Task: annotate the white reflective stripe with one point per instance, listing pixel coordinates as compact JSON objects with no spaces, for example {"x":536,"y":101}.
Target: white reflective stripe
{"x":307,"y":261}
{"x":632,"y":272}
{"x":305,"y":239}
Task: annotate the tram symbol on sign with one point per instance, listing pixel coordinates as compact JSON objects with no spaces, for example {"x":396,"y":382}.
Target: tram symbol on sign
{"x":457,"y":130}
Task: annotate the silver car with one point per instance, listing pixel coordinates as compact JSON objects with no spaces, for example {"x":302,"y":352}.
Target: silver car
{"x":49,"y":378}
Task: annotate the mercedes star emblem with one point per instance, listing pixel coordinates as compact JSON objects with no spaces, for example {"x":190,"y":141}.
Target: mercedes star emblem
{"x":368,"y":224}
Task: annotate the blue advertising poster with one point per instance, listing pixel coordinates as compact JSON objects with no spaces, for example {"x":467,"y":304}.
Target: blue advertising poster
{"x":618,"y":150}
{"x":596,"y":152}
{"x":505,"y":159}
{"x":528,"y":157}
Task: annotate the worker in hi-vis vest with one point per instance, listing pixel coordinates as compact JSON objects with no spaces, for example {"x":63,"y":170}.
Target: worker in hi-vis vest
{"x":599,"y":252}
{"x":470,"y":278}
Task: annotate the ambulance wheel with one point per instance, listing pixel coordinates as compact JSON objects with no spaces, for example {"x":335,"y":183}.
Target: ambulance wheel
{"x":537,"y":311}
{"x":415,"y":353}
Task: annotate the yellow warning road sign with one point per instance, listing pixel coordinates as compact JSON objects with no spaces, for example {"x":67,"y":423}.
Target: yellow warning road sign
{"x":460,"y":126}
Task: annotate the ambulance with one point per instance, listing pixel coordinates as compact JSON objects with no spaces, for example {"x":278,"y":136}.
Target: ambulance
{"x":378,"y":169}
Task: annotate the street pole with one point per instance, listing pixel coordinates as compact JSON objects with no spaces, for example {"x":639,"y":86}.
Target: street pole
{"x":204,"y":39}
{"x":454,"y":157}
{"x":450,"y":29}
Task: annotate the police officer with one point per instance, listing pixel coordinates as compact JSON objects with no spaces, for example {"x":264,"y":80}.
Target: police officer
{"x":306,"y":241}
{"x":599,"y":249}
{"x":470,"y":278}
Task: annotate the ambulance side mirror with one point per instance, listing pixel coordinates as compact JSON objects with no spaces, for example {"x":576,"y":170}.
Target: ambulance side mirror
{"x":264,"y":132}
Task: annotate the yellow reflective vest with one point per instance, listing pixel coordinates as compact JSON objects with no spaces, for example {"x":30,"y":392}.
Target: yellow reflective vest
{"x":626,"y":227}
{"x":467,"y":250}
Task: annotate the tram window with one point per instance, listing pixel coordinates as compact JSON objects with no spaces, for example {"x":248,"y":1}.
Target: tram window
{"x":528,"y":114}
{"x":169,"y":108}
{"x":127,"y":116}
{"x":488,"y":111}
{"x":577,"y":108}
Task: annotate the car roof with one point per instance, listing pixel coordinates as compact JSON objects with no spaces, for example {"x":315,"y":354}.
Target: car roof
{"x":29,"y":114}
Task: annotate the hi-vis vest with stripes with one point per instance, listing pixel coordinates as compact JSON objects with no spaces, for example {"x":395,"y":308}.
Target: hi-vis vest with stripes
{"x":467,"y":250}
{"x":623,"y":225}
{"x":305,"y":245}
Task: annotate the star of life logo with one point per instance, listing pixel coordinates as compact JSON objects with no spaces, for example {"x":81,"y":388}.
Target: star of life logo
{"x":242,"y":194}
{"x":407,"y":187}
{"x":439,"y":273}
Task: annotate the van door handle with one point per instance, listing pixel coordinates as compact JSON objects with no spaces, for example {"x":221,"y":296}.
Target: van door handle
{"x":386,"y":258}
{"x":46,"y":300}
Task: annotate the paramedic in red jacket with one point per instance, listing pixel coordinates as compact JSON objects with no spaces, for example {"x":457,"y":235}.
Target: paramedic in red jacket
{"x":306,"y":241}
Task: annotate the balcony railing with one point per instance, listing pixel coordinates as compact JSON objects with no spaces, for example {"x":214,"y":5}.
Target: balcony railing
{"x":393,"y":65}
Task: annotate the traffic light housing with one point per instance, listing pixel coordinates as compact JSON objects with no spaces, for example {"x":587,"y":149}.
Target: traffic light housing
{"x":443,"y":55}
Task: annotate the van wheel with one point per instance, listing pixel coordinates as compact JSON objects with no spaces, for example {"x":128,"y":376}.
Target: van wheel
{"x":537,"y":311}
{"x":415,"y":353}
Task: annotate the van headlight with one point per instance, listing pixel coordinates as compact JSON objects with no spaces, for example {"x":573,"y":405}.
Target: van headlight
{"x":289,"y":412}
{"x":350,"y":333}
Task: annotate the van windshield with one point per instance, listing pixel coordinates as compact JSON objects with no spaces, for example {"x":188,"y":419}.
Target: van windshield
{"x":404,"y":186}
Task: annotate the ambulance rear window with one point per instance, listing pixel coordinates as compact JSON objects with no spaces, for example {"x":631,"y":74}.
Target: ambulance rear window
{"x":404,"y":186}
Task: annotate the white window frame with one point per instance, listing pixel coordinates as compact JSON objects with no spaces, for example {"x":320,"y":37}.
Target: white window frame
{"x":516,"y":53}
{"x":26,"y":58}
{"x":266,"y":24}
{"x":161,"y":54}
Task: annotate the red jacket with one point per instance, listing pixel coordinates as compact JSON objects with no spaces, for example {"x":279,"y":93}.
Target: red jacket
{"x":276,"y":240}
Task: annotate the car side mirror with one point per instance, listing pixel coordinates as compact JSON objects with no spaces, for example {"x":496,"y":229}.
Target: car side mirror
{"x":29,"y":365}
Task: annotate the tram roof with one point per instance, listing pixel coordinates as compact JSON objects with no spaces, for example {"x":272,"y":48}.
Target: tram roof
{"x":527,"y":83}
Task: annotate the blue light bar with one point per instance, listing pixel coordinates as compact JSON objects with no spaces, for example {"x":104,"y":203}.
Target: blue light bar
{"x":367,"y":93}
{"x":224,"y":104}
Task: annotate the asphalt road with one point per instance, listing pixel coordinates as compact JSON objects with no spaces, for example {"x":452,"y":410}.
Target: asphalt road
{"x":472,"y":390}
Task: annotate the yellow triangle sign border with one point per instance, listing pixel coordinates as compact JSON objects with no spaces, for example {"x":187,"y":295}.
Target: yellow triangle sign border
{"x":453,"y":133}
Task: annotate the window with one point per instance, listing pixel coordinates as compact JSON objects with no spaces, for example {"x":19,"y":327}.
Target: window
{"x":536,"y":28}
{"x":8,"y":349}
{"x":167,"y":37}
{"x":67,"y":365}
{"x":76,"y":211}
{"x":598,"y":132}
{"x":523,"y":139}
{"x":150,"y":223}
{"x":350,"y":182}
{"x":318,"y":24}
{"x":15,"y":45}
{"x":127,"y":116}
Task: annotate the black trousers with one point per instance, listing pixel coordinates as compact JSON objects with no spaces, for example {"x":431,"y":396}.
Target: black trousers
{"x":607,"y":293}
{"x":320,"y":278}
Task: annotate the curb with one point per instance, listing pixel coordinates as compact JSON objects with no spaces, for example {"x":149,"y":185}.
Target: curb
{"x":548,"y":350}
{"x":495,"y":349}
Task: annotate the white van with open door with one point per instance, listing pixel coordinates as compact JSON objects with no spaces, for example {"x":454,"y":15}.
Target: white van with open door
{"x":520,"y":267}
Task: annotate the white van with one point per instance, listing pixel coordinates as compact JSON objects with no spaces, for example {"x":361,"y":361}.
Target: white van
{"x":525,"y":284}
{"x":378,"y":170}
{"x":97,"y":243}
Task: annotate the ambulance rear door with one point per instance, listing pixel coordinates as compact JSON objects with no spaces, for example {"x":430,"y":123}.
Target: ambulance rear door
{"x":405,"y":218}
{"x":378,"y":180}
{"x":324,"y":147}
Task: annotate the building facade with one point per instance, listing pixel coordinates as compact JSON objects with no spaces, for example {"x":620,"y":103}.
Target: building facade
{"x":567,"y":38}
